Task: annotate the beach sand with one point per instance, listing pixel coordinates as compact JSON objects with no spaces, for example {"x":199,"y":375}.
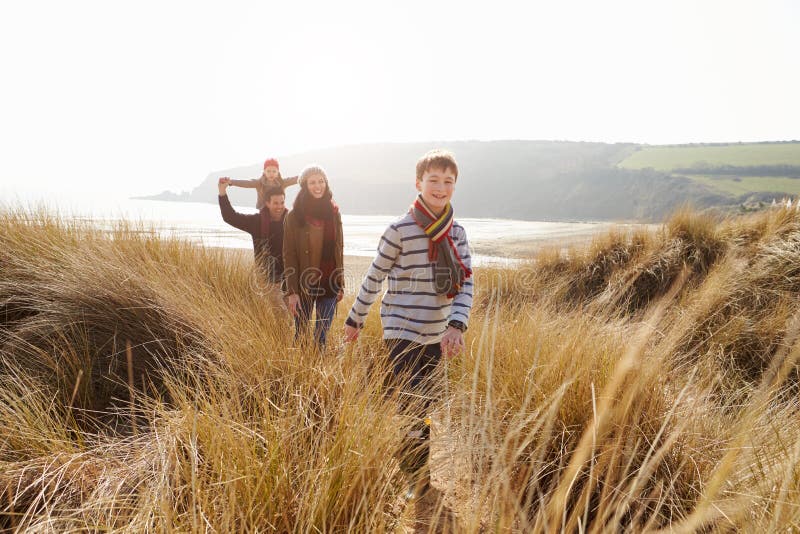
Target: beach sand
{"x":524,"y":247}
{"x":505,"y":249}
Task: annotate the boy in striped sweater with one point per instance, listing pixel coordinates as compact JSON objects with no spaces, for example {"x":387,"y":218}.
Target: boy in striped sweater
{"x":425,"y":310}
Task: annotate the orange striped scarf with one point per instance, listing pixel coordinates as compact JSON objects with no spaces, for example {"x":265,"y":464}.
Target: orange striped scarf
{"x":450,"y":271}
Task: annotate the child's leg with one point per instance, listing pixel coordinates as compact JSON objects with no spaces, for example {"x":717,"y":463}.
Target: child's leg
{"x":414,"y":370}
{"x":326,"y":308}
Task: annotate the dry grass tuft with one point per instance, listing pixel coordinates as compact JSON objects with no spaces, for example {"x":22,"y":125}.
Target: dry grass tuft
{"x":645,"y":382}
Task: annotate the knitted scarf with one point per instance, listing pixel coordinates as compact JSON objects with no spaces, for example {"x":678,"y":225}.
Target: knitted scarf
{"x":323,"y":212}
{"x":269,"y":254}
{"x":450,"y":272}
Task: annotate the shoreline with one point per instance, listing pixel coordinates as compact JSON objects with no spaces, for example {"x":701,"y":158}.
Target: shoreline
{"x":492,"y":241}
{"x":504,"y":251}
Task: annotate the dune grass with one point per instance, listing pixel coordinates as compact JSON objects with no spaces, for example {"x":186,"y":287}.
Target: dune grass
{"x":646,"y":382}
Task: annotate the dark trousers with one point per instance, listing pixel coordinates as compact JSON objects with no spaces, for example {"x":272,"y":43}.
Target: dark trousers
{"x":326,"y":309}
{"x":415,"y":377}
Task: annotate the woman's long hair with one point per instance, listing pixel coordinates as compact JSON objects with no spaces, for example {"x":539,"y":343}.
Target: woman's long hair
{"x":305,"y":204}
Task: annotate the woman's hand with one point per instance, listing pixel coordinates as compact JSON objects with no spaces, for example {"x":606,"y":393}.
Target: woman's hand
{"x":293,"y":304}
{"x":452,"y":342}
{"x":340,"y":295}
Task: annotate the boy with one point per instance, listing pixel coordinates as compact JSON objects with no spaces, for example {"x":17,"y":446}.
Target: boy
{"x":265,"y":227}
{"x":425,"y":310}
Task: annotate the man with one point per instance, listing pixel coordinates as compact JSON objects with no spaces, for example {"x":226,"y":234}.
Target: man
{"x":265,"y":227}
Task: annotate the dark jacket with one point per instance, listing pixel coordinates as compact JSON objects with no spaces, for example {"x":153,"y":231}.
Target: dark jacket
{"x":267,"y":237}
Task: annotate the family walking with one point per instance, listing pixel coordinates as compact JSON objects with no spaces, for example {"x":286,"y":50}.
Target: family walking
{"x":424,"y":255}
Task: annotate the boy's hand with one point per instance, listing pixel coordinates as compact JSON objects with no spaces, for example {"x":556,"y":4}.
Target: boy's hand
{"x":293,"y":304}
{"x":350,"y":333}
{"x":452,"y":342}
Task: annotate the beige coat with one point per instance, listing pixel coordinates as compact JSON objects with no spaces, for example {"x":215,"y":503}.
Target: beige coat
{"x":302,"y":253}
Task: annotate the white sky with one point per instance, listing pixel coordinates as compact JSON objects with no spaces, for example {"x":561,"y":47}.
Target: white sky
{"x":137,"y":97}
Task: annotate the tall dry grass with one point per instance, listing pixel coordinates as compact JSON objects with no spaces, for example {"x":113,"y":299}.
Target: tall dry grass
{"x":647,"y":382}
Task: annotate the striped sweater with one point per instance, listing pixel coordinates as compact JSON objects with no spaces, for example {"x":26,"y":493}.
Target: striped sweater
{"x":411,"y":309}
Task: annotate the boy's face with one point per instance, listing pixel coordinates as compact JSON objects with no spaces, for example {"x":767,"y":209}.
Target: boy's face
{"x":276,"y":205}
{"x":270,"y":172}
{"x":437,"y":187}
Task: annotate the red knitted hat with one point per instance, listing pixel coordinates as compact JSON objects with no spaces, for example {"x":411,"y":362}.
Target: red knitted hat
{"x":271,"y":162}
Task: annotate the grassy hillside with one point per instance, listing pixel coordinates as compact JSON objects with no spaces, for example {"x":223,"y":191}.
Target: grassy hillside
{"x":732,"y":170}
{"x":504,"y":179}
{"x":529,"y":180}
{"x":667,"y":158}
{"x":744,"y":185}
{"x":546,"y":180}
{"x":647,"y":381}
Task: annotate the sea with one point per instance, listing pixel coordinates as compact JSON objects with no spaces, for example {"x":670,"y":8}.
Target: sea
{"x":201,"y":223}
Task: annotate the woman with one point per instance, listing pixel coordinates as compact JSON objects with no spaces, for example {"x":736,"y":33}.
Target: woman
{"x":270,"y":179}
{"x":313,"y":254}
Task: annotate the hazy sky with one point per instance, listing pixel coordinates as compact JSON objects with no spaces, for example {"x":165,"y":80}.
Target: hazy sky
{"x":137,"y":97}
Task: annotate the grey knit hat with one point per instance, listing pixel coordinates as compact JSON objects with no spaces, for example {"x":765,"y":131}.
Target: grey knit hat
{"x":311,"y":170}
